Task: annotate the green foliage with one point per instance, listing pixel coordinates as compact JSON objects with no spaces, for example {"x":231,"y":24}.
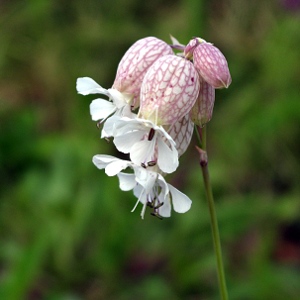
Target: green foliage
{"x":66,"y":230}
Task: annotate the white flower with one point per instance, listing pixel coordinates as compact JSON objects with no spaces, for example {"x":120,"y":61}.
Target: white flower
{"x":144,"y":141}
{"x":148,"y":186}
{"x":101,"y":109}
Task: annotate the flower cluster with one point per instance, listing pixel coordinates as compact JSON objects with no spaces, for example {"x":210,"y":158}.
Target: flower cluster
{"x":150,"y":111}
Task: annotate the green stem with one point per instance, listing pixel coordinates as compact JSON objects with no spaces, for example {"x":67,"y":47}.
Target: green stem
{"x":213,"y":216}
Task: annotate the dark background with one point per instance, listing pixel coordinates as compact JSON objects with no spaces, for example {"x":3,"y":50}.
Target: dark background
{"x":67,"y":231}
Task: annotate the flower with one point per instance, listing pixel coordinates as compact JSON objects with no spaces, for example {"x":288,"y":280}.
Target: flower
{"x":148,"y":186}
{"x":169,"y":90}
{"x":145,"y":141}
{"x":211,"y":65}
{"x":101,"y":109}
{"x":150,"y":111}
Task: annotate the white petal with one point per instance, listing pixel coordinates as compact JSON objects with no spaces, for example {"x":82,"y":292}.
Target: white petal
{"x":164,"y":186}
{"x":118,"y":98}
{"x":116,"y":167}
{"x":142,"y":152}
{"x":181,"y":202}
{"x":145,"y":178}
{"x":125,"y":142}
{"x":165,"y":209}
{"x":124,"y":125}
{"x":140,"y":193}
{"x":129,"y":124}
{"x":109,"y":126}
{"x":126,"y":181}
{"x":101,"y":109}
{"x":126,"y":112}
{"x":86,"y":86}
{"x":164,"y":196}
{"x":105,"y":134}
{"x":102,"y":160}
{"x":167,"y":159}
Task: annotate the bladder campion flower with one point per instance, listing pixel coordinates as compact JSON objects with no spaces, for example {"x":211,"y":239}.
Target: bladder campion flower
{"x":211,"y":65}
{"x":150,"y":112}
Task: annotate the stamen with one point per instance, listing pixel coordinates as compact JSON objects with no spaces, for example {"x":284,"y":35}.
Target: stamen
{"x":98,"y":124}
{"x":151,"y":202}
{"x":156,"y":214}
{"x":159,"y":205}
{"x":151,"y":134}
{"x":151,"y":163}
{"x":136,"y":204}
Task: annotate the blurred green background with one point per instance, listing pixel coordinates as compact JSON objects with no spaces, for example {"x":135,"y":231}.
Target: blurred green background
{"x":66,"y":231}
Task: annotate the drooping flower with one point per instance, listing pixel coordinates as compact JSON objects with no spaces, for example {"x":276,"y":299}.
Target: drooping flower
{"x":169,"y":90}
{"x":135,"y":63}
{"x":211,"y":65}
{"x":144,"y":141}
{"x":148,"y":186}
{"x":202,"y":111}
{"x":172,"y":92}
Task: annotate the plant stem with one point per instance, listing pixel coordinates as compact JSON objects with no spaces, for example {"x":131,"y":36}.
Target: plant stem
{"x":213,"y":216}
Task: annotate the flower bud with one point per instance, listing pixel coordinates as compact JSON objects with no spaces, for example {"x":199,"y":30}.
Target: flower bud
{"x":212,"y":65}
{"x":135,"y":63}
{"x":169,"y":90}
{"x":190,"y":47}
{"x":202,"y":110}
{"x":182,"y":132}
